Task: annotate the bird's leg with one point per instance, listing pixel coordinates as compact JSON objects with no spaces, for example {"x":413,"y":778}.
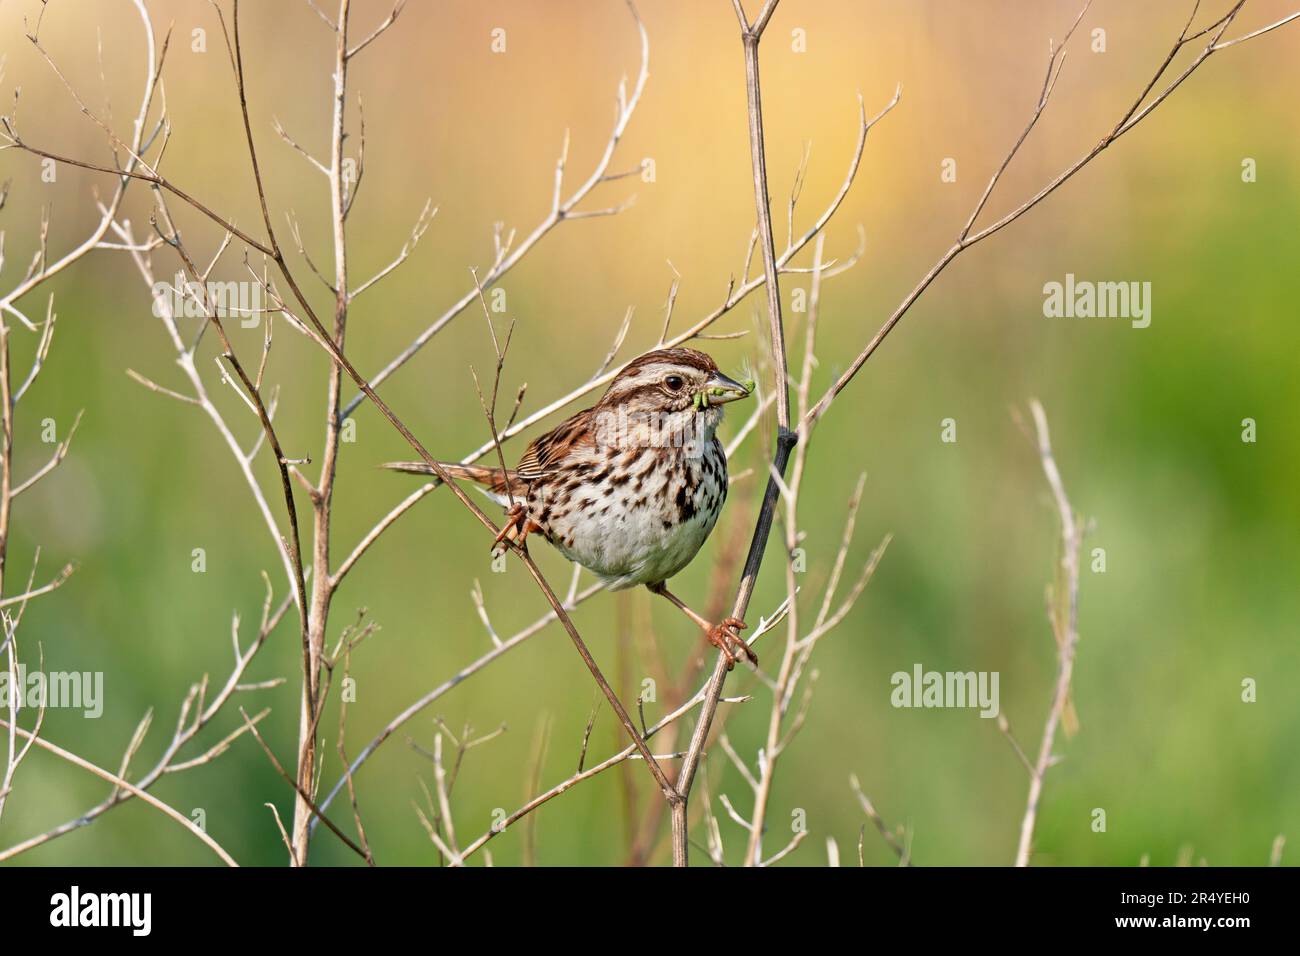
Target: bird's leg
{"x":515,"y":530}
{"x":725,"y":635}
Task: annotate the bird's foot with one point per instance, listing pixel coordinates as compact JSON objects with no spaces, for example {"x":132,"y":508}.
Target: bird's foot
{"x":725,"y":636}
{"x":515,"y":530}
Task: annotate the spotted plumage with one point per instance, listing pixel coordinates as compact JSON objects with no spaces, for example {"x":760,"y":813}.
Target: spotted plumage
{"x":632,"y":487}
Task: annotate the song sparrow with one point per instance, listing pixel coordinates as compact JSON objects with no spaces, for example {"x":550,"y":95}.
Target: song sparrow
{"x":629,"y":488}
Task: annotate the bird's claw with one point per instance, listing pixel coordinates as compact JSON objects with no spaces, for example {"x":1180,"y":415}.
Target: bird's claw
{"x":725,"y":636}
{"x":513,"y":531}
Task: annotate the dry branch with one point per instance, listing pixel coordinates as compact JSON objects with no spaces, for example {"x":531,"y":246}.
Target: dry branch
{"x":1063,"y":602}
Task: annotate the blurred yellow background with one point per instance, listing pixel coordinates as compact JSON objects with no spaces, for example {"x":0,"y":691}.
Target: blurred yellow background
{"x":1199,"y":528}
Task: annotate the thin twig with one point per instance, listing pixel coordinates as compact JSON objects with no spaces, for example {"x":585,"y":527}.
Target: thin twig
{"x":1065,"y":624}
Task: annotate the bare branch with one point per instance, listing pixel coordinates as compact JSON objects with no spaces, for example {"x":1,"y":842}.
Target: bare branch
{"x":54,"y":584}
{"x":900,"y":850}
{"x":60,"y":453}
{"x":560,"y":212}
{"x":421,"y":225}
{"x":1065,"y":624}
{"x":1141,"y":108}
{"x":130,"y":788}
{"x":378,"y":31}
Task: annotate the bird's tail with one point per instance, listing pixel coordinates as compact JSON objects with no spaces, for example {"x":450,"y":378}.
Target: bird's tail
{"x":497,"y":483}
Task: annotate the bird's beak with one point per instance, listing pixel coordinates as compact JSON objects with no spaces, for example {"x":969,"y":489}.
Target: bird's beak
{"x":719,"y":389}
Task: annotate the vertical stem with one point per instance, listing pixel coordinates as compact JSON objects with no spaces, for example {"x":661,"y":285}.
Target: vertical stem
{"x":6,"y":448}
{"x":766,"y":242}
{"x":322,"y":498}
{"x":788,"y":675}
{"x":1065,"y":627}
{"x":785,"y":441}
{"x":6,"y":482}
{"x":772,"y":746}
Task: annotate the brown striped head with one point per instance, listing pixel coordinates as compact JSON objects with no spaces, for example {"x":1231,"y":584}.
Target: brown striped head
{"x":671,"y":380}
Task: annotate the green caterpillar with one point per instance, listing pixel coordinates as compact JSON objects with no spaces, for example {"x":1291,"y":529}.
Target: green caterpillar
{"x":701,"y":399}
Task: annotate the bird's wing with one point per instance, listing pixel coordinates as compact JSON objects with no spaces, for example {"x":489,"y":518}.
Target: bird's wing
{"x":548,"y":451}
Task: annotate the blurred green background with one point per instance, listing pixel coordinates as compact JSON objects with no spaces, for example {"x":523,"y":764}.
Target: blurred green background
{"x":1199,"y":528}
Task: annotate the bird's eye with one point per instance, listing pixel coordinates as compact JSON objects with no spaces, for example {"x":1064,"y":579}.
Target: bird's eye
{"x":673,"y":383}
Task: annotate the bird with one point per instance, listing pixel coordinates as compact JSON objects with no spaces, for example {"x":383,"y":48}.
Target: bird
{"x":630,"y":488}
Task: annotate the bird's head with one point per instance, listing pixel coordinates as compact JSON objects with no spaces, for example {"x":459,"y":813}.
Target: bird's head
{"x":675,"y":389}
